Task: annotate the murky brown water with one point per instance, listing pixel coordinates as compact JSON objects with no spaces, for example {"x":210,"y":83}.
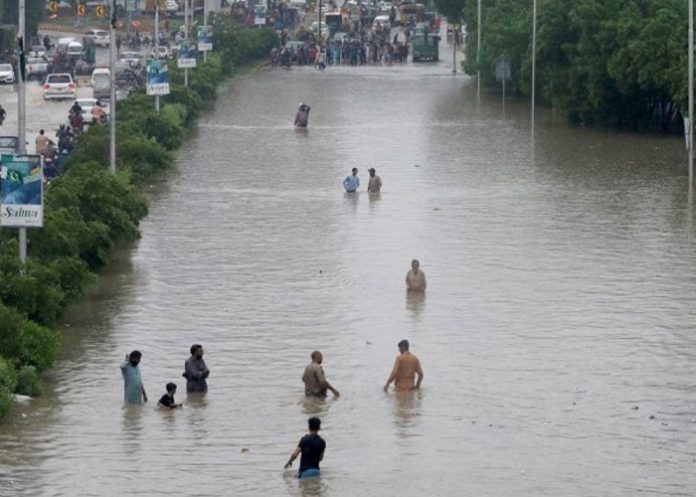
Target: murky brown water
{"x":557,"y":335}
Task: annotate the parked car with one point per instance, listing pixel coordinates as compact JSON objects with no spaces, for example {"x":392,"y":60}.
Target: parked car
{"x":59,"y":85}
{"x":162,"y":52}
{"x":101,"y":83}
{"x":9,"y":145}
{"x":382,"y":21}
{"x":130,"y":58}
{"x":7,"y":74}
{"x":171,"y":6}
{"x":98,"y":36}
{"x":37,"y":67}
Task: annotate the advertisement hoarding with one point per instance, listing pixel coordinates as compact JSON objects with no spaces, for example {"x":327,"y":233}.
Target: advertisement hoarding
{"x":186,"y":55}
{"x":21,"y":191}
{"x":157,"y":77}
{"x":205,"y":38}
{"x":260,"y":15}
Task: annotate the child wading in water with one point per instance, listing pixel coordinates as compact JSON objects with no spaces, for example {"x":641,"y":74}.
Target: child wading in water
{"x":167,"y":400}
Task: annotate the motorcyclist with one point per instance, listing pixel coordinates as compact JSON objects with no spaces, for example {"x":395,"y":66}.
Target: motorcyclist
{"x":98,"y":114}
{"x":77,"y":122}
{"x":75,"y":109}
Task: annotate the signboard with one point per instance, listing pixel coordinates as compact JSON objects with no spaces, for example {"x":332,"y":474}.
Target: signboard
{"x":186,"y":55}
{"x":260,"y":15}
{"x":81,"y":9}
{"x":205,"y":38}
{"x":502,"y":70}
{"x":53,"y":7}
{"x":157,"y":77}
{"x":21,"y":191}
{"x":100,"y":11}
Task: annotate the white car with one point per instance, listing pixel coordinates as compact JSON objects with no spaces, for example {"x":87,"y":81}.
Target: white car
{"x":101,"y":83}
{"x":161,"y":53}
{"x":75,"y":49}
{"x":171,"y":6}
{"x":130,"y":58}
{"x":59,"y":85}
{"x":37,"y":67}
{"x":382,"y":21}
{"x":7,"y":74}
{"x":99,"y":37}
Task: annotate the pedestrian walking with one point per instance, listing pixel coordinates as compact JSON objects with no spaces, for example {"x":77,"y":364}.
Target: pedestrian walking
{"x":195,"y":370}
{"x":415,"y":278}
{"x":406,"y":368}
{"x":352,"y":182}
{"x":312,"y":448}
{"x":314,"y":378}
{"x":133,"y":389}
{"x":3,"y":115}
{"x":374,"y":185}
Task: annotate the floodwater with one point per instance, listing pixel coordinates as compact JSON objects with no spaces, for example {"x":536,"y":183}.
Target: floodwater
{"x":557,"y":334}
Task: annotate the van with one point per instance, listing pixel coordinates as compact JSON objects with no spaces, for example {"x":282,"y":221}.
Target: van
{"x":75,"y":49}
{"x":101,"y":83}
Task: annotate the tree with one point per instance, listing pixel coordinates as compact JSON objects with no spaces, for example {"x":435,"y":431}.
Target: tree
{"x":453,"y":10}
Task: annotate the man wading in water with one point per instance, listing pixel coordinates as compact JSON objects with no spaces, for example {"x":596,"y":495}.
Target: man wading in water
{"x":314,"y":378}
{"x":406,"y":367}
{"x":415,"y":278}
{"x":312,"y":448}
{"x":133,"y":389}
{"x":195,"y":371}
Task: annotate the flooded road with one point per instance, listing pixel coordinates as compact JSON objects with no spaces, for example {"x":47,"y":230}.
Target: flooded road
{"x":556,"y":336}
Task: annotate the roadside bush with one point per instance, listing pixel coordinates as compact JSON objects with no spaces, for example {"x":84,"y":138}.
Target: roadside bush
{"x":5,"y":402}
{"x":8,"y":376}
{"x":28,"y":381}
{"x":39,"y":345}
{"x":89,"y":212}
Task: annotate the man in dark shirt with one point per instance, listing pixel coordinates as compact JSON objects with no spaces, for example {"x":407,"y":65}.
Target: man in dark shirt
{"x":195,"y":371}
{"x":312,"y":448}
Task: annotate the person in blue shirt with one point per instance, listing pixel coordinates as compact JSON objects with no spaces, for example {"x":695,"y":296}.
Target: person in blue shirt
{"x":352,"y":182}
{"x":133,"y":389}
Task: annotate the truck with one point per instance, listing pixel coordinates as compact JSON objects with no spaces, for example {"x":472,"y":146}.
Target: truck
{"x":425,"y":46}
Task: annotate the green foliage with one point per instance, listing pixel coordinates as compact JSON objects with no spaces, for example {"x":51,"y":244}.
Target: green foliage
{"x":90,"y":212}
{"x":453,"y":10}
{"x":39,"y":346}
{"x":8,"y":376}
{"x":28,"y":381}
{"x":600,"y":62}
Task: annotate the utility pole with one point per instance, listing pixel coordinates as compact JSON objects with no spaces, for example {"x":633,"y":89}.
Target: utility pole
{"x":22,"y":111}
{"x":478,"y":51}
{"x":112,"y":89}
{"x":691,"y":93}
{"x":319,"y":20}
{"x":534,"y":31}
{"x":186,"y":27}
{"x":205,"y":23}
{"x":157,"y":54}
{"x":454,"y":50}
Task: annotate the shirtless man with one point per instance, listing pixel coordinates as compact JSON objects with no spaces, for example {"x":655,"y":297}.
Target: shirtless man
{"x":415,"y":278}
{"x":406,"y":367}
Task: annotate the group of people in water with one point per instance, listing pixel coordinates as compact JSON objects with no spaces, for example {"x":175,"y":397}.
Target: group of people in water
{"x":406,"y":375}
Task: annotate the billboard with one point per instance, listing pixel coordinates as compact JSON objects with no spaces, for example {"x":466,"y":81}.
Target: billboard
{"x":205,"y":38}
{"x":157,"y":77}
{"x":260,"y":15}
{"x":21,"y":191}
{"x":186,"y":55}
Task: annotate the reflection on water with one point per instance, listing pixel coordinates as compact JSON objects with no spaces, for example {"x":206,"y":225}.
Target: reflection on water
{"x":560,"y":300}
{"x":407,"y":410}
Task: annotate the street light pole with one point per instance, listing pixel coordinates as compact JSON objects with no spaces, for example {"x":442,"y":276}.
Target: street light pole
{"x":157,"y":55}
{"x":186,"y":28}
{"x":691,"y":93}
{"x":112,"y":90}
{"x":478,"y":50}
{"x":205,"y":23}
{"x":534,"y":31}
{"x":22,"y":111}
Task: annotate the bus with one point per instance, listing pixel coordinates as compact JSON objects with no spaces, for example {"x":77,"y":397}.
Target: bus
{"x":425,"y":47}
{"x":411,"y":13}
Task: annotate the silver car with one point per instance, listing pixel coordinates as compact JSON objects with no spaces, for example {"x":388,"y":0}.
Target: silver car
{"x":7,"y":74}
